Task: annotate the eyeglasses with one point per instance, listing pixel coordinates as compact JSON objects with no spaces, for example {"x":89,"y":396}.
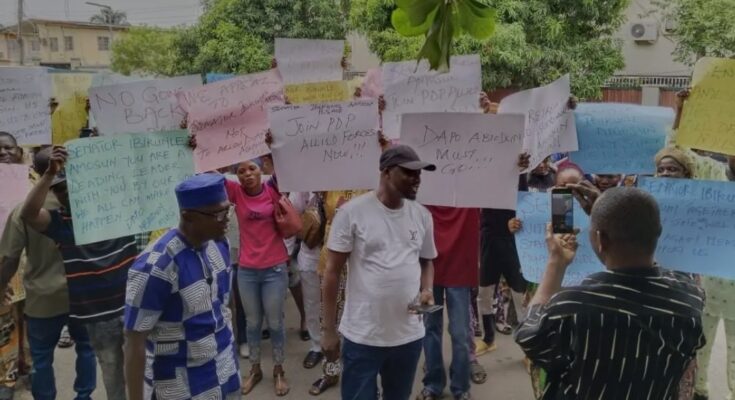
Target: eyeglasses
{"x":219,"y":216}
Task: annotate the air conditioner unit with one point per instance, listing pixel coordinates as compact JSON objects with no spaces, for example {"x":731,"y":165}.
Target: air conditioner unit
{"x":644,"y":31}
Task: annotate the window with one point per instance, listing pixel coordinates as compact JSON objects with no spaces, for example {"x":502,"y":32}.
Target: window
{"x":53,"y":44}
{"x":35,"y":45}
{"x":103,"y":43}
{"x":68,"y":43}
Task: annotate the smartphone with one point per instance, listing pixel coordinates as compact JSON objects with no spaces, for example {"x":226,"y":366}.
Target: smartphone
{"x":424,"y":308}
{"x":562,"y":210}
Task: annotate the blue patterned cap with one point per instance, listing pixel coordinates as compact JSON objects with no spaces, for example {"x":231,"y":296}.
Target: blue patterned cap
{"x":201,"y":191}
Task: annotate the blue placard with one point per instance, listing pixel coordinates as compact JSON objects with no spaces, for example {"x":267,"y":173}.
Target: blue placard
{"x":213,"y":77}
{"x":620,"y":138}
{"x":698,"y":219}
{"x":534,"y":211}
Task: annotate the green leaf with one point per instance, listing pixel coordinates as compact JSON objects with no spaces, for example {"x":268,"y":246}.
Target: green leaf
{"x":479,"y":27}
{"x":418,"y":11}
{"x":403,"y":25}
{"x":437,"y":49}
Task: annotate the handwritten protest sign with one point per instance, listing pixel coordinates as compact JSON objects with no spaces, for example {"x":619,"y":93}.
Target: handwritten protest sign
{"x":306,"y":60}
{"x":318,"y":92}
{"x":476,"y":156}
{"x":124,"y":184}
{"x":230,"y":118}
{"x":213,"y":77}
{"x":143,"y":106}
{"x":104,"y":78}
{"x":24,"y":104}
{"x":534,"y":211}
{"x":311,"y":140}
{"x":708,"y":120}
{"x":16,"y":186}
{"x":698,"y":219}
{"x":620,"y":138}
{"x":550,"y":128}
{"x":70,"y":91}
{"x":411,"y":90}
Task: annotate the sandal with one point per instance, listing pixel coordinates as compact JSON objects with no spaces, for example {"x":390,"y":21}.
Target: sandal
{"x":322,"y":384}
{"x":65,"y":341}
{"x":304,"y":335}
{"x":312,"y":359}
{"x":477,"y":373}
{"x":249,"y":383}
{"x":482,"y":348}
{"x":504,"y":329}
{"x":280,"y":384}
{"x":427,"y":395}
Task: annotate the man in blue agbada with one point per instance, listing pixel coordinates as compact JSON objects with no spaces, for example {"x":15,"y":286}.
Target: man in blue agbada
{"x":177,"y":319}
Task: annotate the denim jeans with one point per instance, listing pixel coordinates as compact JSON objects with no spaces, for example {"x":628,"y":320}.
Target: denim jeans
{"x":107,"y":341}
{"x":43,"y":335}
{"x":263,"y":294}
{"x":241,"y":325}
{"x":362,"y":364}
{"x":458,"y":310}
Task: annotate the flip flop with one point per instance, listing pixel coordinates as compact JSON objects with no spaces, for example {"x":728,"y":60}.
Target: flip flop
{"x":478,"y":373}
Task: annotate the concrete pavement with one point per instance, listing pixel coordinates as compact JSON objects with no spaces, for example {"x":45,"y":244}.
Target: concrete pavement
{"x":507,"y":378}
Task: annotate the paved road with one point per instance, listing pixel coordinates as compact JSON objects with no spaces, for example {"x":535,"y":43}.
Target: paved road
{"x":507,"y":379}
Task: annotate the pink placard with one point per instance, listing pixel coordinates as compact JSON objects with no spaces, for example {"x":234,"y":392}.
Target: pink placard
{"x":230,"y":118}
{"x":16,"y":186}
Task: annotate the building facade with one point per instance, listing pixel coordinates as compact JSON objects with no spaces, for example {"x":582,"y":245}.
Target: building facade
{"x":60,"y":44}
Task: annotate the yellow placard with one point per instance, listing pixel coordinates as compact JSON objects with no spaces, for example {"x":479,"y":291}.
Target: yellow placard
{"x":318,"y":92}
{"x":70,"y":91}
{"x":708,"y":121}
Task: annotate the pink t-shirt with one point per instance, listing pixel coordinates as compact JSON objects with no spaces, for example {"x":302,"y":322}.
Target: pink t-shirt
{"x":261,"y":246}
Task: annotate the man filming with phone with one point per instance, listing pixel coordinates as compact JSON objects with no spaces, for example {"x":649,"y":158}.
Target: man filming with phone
{"x":388,"y":239}
{"x":626,"y":333}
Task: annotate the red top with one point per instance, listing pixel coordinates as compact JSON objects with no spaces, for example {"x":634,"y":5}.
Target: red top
{"x":457,"y":237}
{"x":261,"y":246}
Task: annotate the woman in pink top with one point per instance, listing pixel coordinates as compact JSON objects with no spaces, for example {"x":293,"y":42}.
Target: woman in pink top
{"x":263,"y":275}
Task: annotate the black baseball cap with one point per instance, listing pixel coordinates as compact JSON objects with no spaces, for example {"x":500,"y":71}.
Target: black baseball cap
{"x":404,"y":157}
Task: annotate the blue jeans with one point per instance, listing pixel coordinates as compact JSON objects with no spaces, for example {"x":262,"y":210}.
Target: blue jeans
{"x":458,"y":309}
{"x":43,"y":335}
{"x":395,"y":365}
{"x":107,"y":341}
{"x":263,"y":293}
{"x":242,"y":325}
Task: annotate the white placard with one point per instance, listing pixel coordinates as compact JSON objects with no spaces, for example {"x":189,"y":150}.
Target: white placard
{"x":306,"y":60}
{"x":144,"y":106}
{"x":412,"y":90}
{"x":320,"y":147}
{"x":24,"y":104}
{"x":550,"y":127}
{"x":476,"y":157}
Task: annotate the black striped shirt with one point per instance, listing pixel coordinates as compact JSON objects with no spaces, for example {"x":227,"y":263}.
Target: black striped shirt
{"x":616,"y":336}
{"x":96,"y":273}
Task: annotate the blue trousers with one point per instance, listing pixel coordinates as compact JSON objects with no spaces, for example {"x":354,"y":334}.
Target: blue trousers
{"x":395,"y":365}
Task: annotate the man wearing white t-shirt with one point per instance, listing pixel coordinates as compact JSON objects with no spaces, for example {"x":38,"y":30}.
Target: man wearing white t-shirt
{"x":388,"y":239}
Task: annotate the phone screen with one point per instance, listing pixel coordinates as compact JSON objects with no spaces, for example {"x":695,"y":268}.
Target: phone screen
{"x":562,"y":211}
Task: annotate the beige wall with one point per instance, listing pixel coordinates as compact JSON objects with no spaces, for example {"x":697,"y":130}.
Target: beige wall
{"x":648,"y":58}
{"x":84,"y":53}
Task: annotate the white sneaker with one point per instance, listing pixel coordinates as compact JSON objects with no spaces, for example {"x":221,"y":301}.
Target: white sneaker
{"x":244,"y":351}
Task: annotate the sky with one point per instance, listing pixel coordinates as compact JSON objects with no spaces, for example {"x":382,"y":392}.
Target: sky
{"x":149,"y":12}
